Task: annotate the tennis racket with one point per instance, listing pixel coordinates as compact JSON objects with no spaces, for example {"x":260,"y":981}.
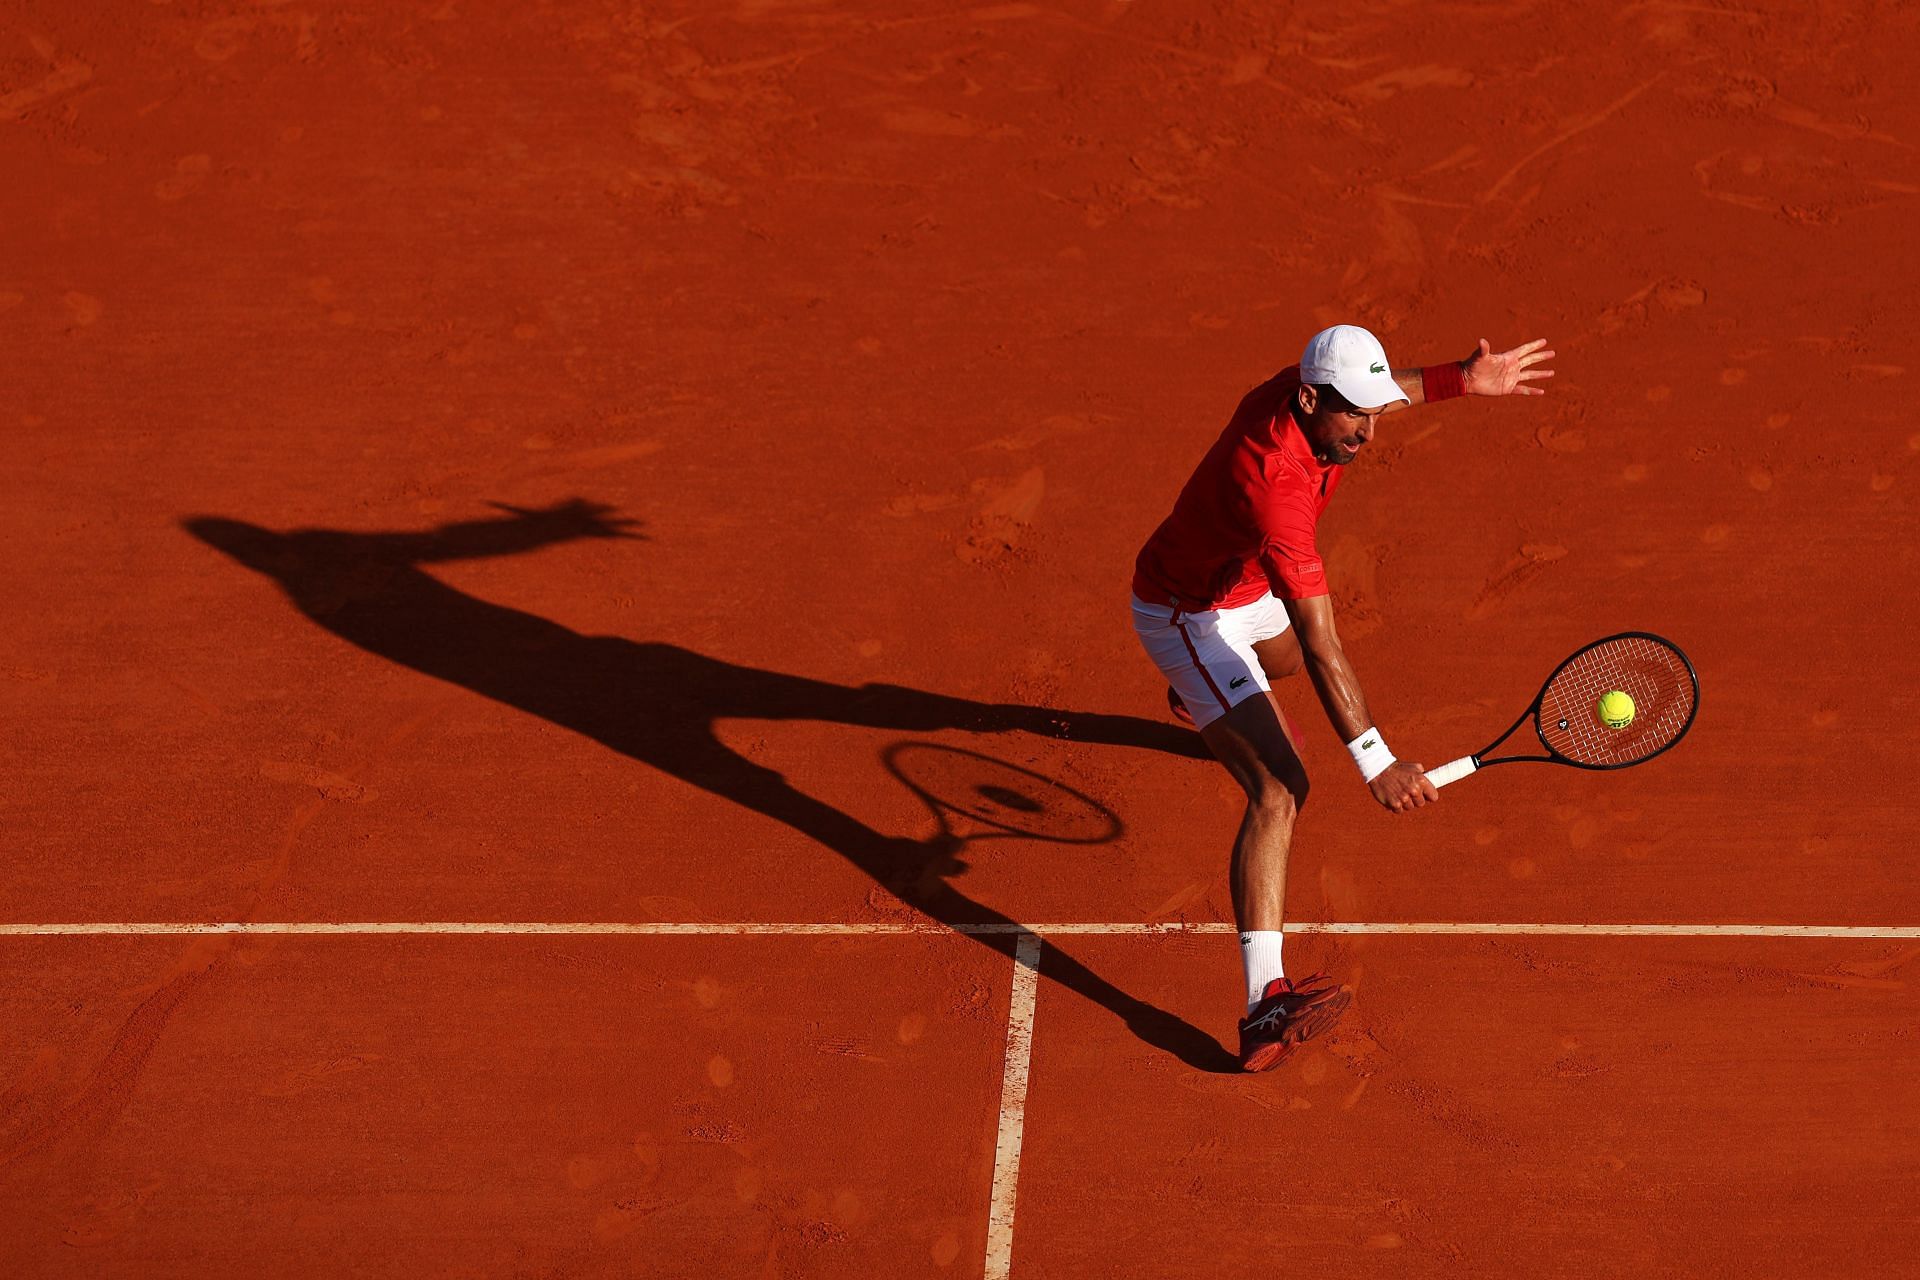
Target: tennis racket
{"x":1566,"y":712}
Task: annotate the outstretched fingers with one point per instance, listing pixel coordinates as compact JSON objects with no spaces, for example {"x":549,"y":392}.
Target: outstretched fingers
{"x":1508,"y":372}
{"x":1523,"y":358}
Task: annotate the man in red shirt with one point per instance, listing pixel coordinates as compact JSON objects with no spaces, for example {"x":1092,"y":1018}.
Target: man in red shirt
{"x":1230,"y":594}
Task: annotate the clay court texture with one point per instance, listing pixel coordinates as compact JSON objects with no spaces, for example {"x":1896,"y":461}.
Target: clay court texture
{"x":522,"y":517}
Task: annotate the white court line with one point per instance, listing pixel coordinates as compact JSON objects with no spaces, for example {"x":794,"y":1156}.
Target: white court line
{"x":700,"y":928}
{"x":1013,"y":1106}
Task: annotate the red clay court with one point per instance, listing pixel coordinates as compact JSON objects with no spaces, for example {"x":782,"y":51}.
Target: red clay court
{"x":518,"y":512}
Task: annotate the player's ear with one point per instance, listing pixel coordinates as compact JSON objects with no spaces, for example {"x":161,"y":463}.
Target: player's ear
{"x":1309,"y":399}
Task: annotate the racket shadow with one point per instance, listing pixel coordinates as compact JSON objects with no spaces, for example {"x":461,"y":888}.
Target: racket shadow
{"x":659,"y":703}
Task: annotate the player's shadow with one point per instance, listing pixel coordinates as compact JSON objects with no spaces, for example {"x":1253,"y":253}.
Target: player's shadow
{"x":658,"y":703}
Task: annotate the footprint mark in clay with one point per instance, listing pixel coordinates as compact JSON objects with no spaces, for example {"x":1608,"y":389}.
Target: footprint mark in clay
{"x":1004,"y":518}
{"x":1533,"y":557}
{"x":64,"y":76}
{"x":1561,"y":439}
{"x":1663,"y":297}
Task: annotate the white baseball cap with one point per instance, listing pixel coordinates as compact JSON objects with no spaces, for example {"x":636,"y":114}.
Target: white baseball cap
{"x":1354,"y":362}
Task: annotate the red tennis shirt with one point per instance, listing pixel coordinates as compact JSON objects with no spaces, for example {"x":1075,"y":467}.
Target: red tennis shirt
{"x":1244,"y":524}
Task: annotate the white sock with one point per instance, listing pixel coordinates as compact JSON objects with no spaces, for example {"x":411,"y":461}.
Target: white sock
{"x":1260,"y":953}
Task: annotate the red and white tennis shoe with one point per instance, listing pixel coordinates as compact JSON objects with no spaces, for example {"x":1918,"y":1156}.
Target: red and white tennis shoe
{"x":1288,"y":1015}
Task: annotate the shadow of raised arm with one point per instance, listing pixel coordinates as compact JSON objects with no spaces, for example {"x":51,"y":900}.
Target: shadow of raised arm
{"x":523,"y":529}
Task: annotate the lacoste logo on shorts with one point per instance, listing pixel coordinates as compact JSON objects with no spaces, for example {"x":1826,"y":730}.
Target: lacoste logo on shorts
{"x":1237,"y":681}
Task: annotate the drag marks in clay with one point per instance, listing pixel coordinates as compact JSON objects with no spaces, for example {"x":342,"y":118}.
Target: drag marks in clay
{"x":64,"y":75}
{"x":1524,"y":567}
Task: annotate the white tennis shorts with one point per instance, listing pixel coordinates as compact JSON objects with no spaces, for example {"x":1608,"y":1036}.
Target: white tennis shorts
{"x":1208,"y":656}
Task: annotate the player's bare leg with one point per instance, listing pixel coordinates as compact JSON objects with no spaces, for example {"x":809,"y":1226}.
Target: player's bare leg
{"x":1253,"y":744}
{"x":1279,"y":656}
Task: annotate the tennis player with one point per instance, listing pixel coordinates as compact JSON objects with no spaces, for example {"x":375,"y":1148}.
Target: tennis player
{"x":1230,"y":594}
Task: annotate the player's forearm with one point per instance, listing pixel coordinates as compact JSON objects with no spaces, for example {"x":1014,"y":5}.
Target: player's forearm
{"x":1339,"y":689}
{"x":1346,"y":706}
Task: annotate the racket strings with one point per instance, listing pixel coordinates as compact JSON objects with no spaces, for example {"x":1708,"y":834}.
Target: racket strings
{"x":1652,"y":673}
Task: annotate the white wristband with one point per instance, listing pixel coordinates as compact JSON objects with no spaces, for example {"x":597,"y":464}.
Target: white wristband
{"x":1370,"y":754}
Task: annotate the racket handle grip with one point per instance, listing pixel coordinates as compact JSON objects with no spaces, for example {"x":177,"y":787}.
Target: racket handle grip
{"x":1452,"y":771}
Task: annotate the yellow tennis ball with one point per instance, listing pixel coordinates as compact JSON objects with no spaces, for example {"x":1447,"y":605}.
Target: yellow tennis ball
{"x":1616,"y":709}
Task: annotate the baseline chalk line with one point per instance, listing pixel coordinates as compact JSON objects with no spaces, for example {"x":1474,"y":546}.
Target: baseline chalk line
{"x":704,"y":928}
{"x":1013,"y":1106}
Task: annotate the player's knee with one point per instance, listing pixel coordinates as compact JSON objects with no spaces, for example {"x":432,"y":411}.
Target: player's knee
{"x":1276,"y":800}
{"x":1287,"y":786}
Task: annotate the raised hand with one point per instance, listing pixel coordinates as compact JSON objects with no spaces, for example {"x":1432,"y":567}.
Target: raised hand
{"x":1508,"y":372}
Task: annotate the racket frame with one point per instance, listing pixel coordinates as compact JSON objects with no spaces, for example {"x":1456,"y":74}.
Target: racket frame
{"x":1478,"y":760}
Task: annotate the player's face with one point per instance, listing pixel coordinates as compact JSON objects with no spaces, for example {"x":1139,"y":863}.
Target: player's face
{"x":1338,"y":430}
